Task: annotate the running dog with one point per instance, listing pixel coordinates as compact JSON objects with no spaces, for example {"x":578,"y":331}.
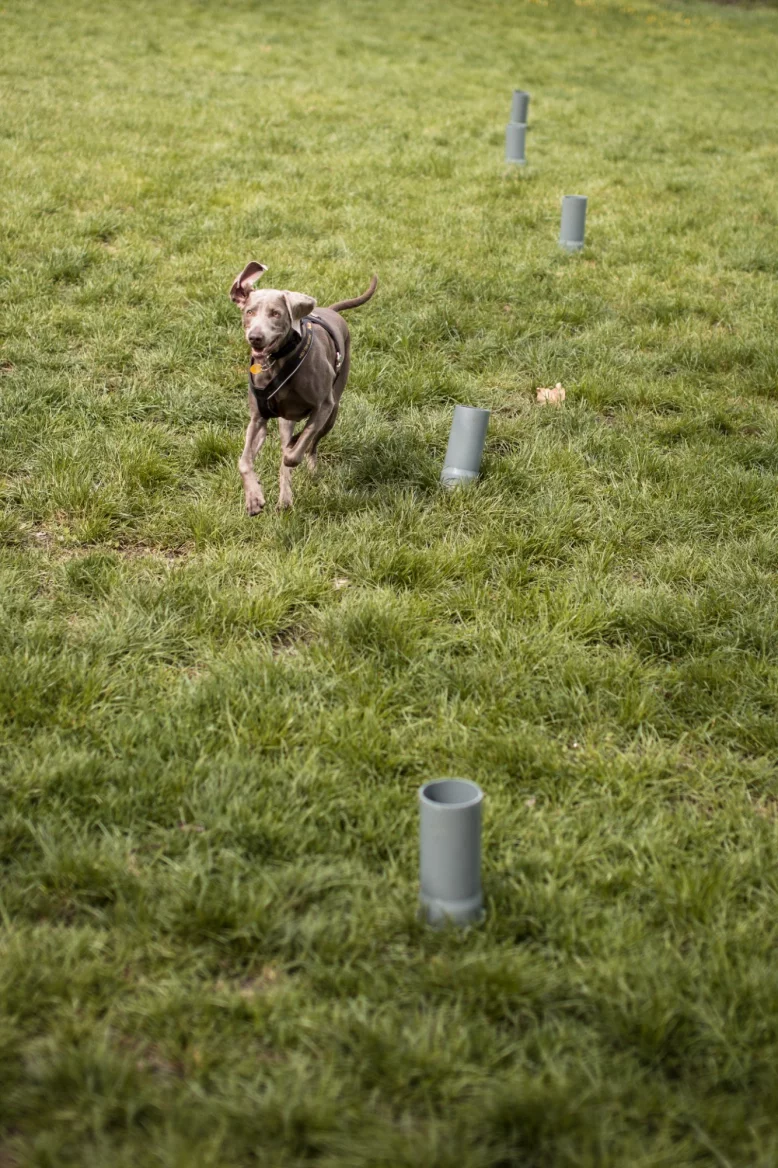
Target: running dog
{"x":299,"y":368}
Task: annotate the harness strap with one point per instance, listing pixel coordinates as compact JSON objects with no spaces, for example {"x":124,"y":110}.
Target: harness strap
{"x":333,"y":337}
{"x":267,"y":407}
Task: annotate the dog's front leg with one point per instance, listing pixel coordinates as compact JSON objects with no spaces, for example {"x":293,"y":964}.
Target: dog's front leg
{"x":255,"y":437}
{"x":313,"y":428}
{"x":285,"y":430}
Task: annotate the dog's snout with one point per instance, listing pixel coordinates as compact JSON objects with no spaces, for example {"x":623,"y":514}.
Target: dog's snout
{"x":257,"y":338}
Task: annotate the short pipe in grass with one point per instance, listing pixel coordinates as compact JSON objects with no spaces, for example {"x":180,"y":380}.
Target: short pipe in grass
{"x":465,"y":446}
{"x":520,"y":106}
{"x":573,"y":226}
{"x":515,"y":143}
{"x":450,"y":851}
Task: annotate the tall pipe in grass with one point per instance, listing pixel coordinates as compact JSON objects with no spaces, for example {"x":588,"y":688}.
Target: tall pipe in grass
{"x":450,"y":851}
{"x":516,"y":130}
{"x":573,"y":224}
{"x":520,"y":106}
{"x":465,"y":448}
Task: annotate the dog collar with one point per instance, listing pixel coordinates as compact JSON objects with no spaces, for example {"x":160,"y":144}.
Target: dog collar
{"x":289,"y":344}
{"x":264,"y":394}
{"x":300,"y":348}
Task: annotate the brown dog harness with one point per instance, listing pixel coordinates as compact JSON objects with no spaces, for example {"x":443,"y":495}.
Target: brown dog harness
{"x":299,"y":350}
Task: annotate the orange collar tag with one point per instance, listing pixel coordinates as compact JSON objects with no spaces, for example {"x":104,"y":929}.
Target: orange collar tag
{"x":255,"y":368}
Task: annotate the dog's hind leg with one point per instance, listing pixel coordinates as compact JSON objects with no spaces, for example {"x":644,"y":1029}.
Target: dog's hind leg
{"x":285,"y":430}
{"x":311,"y":433}
{"x":311,"y":457}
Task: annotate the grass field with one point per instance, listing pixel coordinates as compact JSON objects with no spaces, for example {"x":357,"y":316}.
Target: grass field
{"x":212,"y":728}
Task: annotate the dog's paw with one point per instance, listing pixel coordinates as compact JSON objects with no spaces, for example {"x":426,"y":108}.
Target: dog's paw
{"x":291,"y":459}
{"x":255,"y":502}
{"x":284,"y":503}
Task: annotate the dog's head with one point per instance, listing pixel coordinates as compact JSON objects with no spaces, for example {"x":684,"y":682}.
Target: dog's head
{"x":268,"y":315}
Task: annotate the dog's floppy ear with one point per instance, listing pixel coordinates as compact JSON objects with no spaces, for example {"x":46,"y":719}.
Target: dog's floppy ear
{"x":243,"y":283}
{"x":299,"y":305}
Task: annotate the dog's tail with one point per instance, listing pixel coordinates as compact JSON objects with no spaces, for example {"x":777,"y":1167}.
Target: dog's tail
{"x":355,"y":303}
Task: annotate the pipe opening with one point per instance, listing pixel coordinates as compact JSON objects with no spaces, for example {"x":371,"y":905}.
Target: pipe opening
{"x":452,"y":792}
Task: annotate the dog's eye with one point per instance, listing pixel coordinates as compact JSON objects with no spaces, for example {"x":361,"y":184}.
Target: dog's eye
{"x":274,"y":312}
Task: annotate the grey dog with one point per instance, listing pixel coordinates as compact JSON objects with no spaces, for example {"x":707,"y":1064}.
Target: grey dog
{"x":299,"y":369}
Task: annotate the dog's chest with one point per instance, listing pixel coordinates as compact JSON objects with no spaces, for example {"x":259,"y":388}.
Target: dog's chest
{"x":271,"y":402}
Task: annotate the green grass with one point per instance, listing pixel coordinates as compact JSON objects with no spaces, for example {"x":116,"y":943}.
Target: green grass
{"x":210,"y":744}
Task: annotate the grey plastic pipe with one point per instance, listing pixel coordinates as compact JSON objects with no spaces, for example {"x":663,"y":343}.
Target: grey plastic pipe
{"x":515,"y":143}
{"x":465,"y":445}
{"x":520,"y":106}
{"x":450,"y":851}
{"x":573,"y":225}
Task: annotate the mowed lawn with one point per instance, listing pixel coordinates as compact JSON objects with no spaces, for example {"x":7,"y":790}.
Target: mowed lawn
{"x":212,"y":729}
